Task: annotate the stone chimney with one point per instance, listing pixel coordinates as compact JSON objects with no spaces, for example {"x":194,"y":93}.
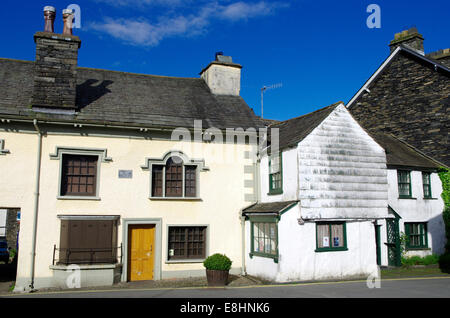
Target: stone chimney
{"x":222,"y":76}
{"x":55,"y":69}
{"x":442,"y":56}
{"x":410,"y":38}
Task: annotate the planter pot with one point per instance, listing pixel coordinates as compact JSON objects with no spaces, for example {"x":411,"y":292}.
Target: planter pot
{"x":216,"y":277}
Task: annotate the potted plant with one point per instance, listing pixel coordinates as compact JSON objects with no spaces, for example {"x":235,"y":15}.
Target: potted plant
{"x":217,"y":268}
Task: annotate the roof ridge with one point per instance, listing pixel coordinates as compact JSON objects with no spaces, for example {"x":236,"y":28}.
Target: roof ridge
{"x":139,"y":74}
{"x":308,"y":114}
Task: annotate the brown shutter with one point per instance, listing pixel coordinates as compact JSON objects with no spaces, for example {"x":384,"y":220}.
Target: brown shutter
{"x":88,"y":241}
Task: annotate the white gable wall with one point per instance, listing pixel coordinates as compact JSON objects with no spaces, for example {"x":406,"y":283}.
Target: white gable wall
{"x":342,"y":171}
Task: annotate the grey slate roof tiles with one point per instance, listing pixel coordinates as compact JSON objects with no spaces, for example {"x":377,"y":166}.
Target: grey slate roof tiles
{"x":129,"y":99}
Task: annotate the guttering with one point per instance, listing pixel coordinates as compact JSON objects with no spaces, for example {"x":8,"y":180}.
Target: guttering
{"x":118,"y":126}
{"x":36,"y":204}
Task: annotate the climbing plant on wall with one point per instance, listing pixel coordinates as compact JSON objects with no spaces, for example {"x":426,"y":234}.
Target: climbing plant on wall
{"x":444,"y":175}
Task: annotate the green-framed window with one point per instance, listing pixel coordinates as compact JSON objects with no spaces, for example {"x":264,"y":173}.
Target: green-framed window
{"x":426,"y":182}
{"x":264,"y":237}
{"x":404,"y":183}
{"x":275,"y":173}
{"x":331,"y":236}
{"x":417,"y":236}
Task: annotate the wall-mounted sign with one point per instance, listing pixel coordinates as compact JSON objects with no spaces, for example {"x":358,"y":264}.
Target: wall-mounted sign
{"x":125,"y":174}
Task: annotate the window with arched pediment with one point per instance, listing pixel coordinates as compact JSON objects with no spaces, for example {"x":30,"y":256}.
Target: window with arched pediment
{"x":174,"y":179}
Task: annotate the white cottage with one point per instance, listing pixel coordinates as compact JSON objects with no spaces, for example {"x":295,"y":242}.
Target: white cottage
{"x":321,"y":197}
{"x":415,"y":203}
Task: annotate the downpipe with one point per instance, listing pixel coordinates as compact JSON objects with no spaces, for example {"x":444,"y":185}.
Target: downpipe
{"x":36,"y":204}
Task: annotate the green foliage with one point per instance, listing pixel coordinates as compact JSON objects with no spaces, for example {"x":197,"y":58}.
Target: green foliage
{"x":444,"y":175}
{"x":403,"y":241}
{"x":444,"y":262}
{"x":12,"y":253}
{"x":217,"y":262}
{"x":417,"y":260}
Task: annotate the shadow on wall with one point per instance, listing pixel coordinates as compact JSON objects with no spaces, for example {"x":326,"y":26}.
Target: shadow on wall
{"x":436,"y":229}
{"x":88,"y":93}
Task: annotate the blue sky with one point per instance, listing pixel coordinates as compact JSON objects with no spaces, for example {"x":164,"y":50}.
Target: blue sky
{"x":321,"y":51}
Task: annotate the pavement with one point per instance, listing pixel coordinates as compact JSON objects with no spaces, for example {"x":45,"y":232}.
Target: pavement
{"x":418,"y":287}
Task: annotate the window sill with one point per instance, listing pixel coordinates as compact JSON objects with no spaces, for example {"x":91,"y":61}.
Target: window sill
{"x":274,"y":257}
{"x":410,"y":198}
{"x":418,"y":249}
{"x":84,"y":266}
{"x":175,"y":199}
{"x":430,"y":198}
{"x":73,"y":197}
{"x":275,"y":192}
{"x":184,"y":261}
{"x":335,"y":249}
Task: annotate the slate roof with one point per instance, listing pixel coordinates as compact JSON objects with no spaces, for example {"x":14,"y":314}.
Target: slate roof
{"x":293,"y":131}
{"x":111,"y":97}
{"x":401,"y":154}
{"x":409,"y":52}
{"x":269,"y":208}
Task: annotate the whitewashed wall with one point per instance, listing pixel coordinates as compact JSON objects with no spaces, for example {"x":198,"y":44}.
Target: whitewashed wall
{"x":342,"y":171}
{"x":337,"y":172}
{"x":419,"y":209}
{"x":298,"y":260}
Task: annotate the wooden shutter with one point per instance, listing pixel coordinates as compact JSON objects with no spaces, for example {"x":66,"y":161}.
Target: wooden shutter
{"x":88,"y":241}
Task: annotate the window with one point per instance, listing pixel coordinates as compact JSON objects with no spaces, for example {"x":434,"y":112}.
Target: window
{"x":275,"y":174}
{"x":174,"y":179}
{"x":84,"y":241}
{"x":187,"y":242}
{"x":404,"y":183}
{"x":416,"y":235}
{"x":264,"y":238}
{"x":79,"y":175}
{"x":426,"y":181}
{"x":331,"y":236}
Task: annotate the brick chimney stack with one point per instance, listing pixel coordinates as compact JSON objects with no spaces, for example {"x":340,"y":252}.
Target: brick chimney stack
{"x":55,"y":70}
{"x":410,"y":38}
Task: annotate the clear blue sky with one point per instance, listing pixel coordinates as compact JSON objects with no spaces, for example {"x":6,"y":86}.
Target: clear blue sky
{"x":321,"y":51}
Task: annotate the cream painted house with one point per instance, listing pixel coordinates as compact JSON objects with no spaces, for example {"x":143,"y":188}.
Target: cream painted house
{"x":121,"y":174}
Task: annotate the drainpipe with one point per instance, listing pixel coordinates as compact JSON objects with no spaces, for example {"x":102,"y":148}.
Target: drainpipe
{"x":243,"y":271}
{"x":36,"y":203}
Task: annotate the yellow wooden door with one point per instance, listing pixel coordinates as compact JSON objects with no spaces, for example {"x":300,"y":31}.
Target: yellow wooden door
{"x":141,"y":250}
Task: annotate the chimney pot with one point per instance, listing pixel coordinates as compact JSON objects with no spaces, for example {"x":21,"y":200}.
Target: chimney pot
{"x":49,"y":16}
{"x":68,"y":21}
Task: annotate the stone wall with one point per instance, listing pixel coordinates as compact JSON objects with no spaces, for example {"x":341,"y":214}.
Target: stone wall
{"x":12,"y":228}
{"x":410,"y":99}
{"x":55,"y":70}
